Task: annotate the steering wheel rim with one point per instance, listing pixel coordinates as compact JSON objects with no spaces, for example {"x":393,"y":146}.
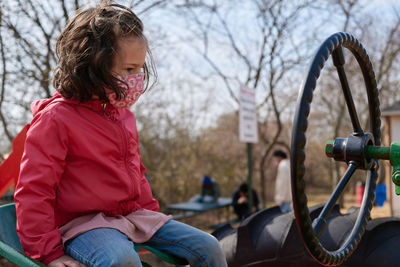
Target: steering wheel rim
{"x":333,"y":46}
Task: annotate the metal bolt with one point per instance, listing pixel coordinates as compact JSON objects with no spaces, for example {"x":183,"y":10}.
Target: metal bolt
{"x":396,"y":177}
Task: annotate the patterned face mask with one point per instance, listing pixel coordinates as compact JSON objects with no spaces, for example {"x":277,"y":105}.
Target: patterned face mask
{"x":135,"y":89}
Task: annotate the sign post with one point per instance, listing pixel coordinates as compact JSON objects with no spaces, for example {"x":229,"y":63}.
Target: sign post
{"x":248,"y":132}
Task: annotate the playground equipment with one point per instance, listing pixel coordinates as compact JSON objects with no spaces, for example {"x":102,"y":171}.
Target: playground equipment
{"x":9,"y":168}
{"x":360,"y":150}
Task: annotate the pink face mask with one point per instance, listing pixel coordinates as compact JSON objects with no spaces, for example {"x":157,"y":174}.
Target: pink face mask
{"x":135,"y":89}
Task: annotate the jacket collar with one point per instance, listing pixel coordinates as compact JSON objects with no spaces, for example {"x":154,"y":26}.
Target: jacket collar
{"x":96,"y":105}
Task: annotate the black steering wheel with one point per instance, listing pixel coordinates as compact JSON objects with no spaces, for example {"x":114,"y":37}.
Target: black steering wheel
{"x":350,"y":150}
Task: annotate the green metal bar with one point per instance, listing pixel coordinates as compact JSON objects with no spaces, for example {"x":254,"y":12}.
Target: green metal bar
{"x":17,"y":257}
{"x":373,"y":152}
{"x":378,"y":152}
{"x":391,"y":153}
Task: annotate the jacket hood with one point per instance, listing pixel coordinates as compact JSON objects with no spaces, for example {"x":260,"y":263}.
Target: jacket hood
{"x":40,"y":104}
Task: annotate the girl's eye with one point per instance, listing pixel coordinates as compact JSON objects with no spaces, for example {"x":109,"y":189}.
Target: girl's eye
{"x":133,"y":70}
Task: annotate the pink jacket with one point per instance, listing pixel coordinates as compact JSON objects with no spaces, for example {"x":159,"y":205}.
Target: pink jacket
{"x":79,"y":158}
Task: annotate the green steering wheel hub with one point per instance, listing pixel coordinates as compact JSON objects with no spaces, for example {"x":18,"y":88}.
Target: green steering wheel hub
{"x":368,"y":152}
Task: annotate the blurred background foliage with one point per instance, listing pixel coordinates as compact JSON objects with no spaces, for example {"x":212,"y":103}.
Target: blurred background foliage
{"x":205,"y":50}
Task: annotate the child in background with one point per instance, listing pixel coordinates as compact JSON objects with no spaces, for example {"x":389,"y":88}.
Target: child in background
{"x":209,"y":190}
{"x":240,"y":201}
{"x":82,"y":197}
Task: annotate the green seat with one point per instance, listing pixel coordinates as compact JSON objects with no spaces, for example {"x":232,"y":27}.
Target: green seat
{"x":10,"y":246}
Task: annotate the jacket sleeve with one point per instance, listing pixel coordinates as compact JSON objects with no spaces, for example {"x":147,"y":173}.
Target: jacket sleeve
{"x":235,"y":199}
{"x":146,"y":197}
{"x":42,"y":166}
{"x":146,"y":201}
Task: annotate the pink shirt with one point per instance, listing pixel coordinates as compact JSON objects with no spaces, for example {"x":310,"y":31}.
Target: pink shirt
{"x":139,"y":226}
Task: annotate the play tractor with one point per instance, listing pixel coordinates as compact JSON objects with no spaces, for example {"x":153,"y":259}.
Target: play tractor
{"x":359,"y":150}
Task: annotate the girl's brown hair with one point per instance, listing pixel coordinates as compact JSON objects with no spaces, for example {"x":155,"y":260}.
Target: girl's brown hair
{"x":85,"y":50}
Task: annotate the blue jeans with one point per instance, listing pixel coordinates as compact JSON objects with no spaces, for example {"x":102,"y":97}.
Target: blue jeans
{"x":105,"y":247}
{"x":285,"y":207}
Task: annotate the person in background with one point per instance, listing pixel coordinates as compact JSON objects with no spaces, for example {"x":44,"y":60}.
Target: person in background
{"x":240,"y":201}
{"x":283,"y":197}
{"x":210,"y":191}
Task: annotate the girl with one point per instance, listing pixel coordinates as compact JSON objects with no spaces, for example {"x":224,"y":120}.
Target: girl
{"x":82,"y":197}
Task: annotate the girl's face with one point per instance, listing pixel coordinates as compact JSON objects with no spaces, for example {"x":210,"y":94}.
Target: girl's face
{"x":129,"y":57}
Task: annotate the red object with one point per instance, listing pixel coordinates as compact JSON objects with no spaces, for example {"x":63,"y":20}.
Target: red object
{"x":9,"y":169}
{"x":79,"y":158}
{"x":359,"y":192}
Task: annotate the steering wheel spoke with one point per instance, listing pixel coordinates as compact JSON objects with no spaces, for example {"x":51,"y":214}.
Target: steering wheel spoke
{"x":320,"y":222}
{"x":339,"y":61}
{"x":351,"y":150}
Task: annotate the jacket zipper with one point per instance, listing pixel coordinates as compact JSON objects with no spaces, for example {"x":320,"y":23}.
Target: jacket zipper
{"x":124,"y":144}
{"x":125,"y":154}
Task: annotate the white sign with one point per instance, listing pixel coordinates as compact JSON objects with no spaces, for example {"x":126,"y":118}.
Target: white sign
{"x":247,"y":116}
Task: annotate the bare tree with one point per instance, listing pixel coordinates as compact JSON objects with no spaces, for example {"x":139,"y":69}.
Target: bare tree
{"x":28,"y":33}
{"x":387,"y":60}
{"x":260,"y":54}
{"x":31,"y":28}
{"x":3,"y":78}
{"x":382,"y":46}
